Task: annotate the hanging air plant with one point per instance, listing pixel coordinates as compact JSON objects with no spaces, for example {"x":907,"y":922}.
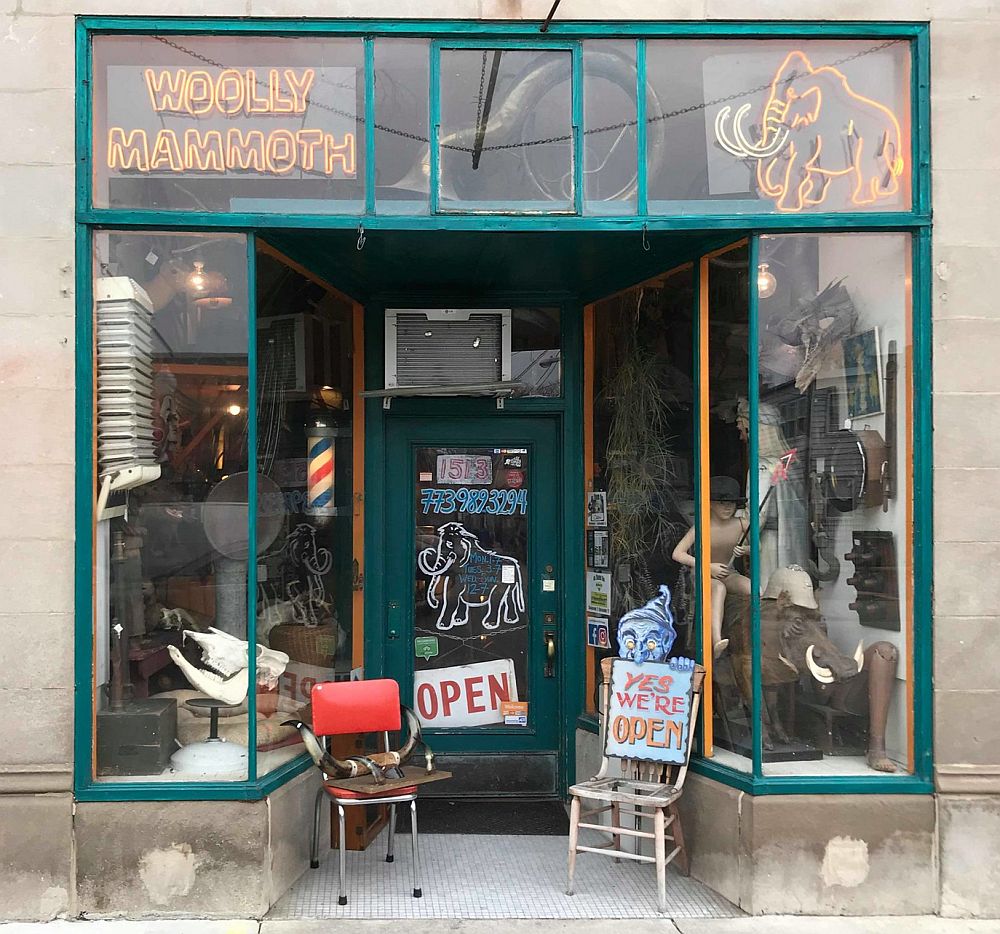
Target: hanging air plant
{"x":644,"y":517}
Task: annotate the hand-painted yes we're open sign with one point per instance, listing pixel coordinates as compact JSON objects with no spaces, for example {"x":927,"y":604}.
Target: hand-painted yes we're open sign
{"x":649,"y":710}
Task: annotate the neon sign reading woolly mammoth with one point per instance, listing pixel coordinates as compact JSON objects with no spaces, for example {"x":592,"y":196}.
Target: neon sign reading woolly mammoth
{"x":230,"y":122}
{"x":817,"y":136}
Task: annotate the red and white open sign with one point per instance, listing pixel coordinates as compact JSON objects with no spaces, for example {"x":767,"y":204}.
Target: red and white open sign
{"x":464,"y":695}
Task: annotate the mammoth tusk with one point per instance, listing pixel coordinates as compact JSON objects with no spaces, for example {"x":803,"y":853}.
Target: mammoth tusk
{"x":859,"y":656}
{"x":822,"y":675}
{"x":759,"y":151}
{"x":722,"y":135}
{"x":230,"y":691}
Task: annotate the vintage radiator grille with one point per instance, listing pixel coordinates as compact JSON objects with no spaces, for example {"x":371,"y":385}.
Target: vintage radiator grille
{"x":448,"y":353}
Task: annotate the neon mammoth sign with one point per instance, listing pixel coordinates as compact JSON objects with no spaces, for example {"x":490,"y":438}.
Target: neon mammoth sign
{"x":230,"y":94}
{"x":815,"y":131}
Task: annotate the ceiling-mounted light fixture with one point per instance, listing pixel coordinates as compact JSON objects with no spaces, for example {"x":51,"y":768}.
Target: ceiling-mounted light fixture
{"x":766,"y":283}
{"x":207,"y":288}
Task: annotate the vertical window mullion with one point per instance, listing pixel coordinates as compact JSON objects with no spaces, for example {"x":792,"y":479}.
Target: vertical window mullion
{"x":753,"y":498}
{"x":435,"y":126}
{"x":640,"y":127}
{"x":369,"y":125}
{"x":252,"y":507}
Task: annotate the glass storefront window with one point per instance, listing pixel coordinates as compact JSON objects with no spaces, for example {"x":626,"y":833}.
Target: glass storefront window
{"x":778,"y":125}
{"x":229,"y":123}
{"x":402,"y":118}
{"x":305,"y":496}
{"x":725,"y":523}
{"x":506,"y":135}
{"x":834,"y":455}
{"x":610,"y":152}
{"x":536,"y":354}
{"x":172,"y":532}
{"x":641,"y":473}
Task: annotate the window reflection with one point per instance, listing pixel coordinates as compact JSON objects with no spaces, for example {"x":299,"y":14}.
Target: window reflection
{"x":778,"y":125}
{"x":506,"y":136}
{"x":172,"y":553}
{"x":643,"y":455}
{"x":835,"y":533}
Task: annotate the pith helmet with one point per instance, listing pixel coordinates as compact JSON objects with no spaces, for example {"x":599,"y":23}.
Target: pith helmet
{"x":795,"y":582}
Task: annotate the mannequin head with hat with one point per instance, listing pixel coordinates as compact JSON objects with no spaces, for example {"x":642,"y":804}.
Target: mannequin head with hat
{"x":725,"y":497}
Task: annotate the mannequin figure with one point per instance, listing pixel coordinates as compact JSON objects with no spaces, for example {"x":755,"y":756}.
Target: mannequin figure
{"x":728,"y":533}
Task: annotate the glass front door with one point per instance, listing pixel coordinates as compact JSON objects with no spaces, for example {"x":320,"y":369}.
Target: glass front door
{"x":473,"y":621}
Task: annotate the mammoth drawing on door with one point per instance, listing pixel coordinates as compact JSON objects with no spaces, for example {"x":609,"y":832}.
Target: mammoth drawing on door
{"x":815,"y":132}
{"x":464,"y":577}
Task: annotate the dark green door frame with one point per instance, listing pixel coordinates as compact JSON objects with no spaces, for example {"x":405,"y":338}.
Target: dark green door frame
{"x":567,"y":411}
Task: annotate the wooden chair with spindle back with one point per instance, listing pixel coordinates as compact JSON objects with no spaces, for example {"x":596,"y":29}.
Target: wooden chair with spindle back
{"x":642,"y":790}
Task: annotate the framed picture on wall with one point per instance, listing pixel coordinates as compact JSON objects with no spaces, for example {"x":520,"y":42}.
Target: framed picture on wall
{"x":863,"y":373}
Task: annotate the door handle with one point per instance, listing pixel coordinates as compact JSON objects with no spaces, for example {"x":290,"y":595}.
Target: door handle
{"x":549,"y":637}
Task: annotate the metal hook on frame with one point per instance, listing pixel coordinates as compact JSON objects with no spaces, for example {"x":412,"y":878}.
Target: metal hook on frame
{"x":361,"y":237}
{"x":645,"y":241}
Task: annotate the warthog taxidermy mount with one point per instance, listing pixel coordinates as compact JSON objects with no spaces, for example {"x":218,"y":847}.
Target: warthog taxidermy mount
{"x":795,"y":645}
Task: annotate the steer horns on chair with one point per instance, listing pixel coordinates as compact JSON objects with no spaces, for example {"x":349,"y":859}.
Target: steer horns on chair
{"x":378,"y":764}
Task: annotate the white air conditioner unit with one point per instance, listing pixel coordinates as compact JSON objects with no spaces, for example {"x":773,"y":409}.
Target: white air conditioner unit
{"x":126,"y":451}
{"x":304,"y":349}
{"x":439,"y":347}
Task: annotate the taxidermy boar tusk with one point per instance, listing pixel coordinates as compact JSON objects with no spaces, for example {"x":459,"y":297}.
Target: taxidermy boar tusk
{"x":781,"y":658}
{"x":822,"y":675}
{"x":231,"y":690}
{"x":859,"y":656}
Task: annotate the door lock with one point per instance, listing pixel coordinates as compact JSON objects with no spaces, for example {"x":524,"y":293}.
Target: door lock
{"x":549,"y":637}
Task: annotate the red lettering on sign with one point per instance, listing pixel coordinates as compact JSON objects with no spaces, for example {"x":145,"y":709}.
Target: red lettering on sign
{"x":427,"y":702}
{"x":625,"y":699}
{"x":450,"y":692}
{"x":473,"y":694}
{"x":499,"y":690}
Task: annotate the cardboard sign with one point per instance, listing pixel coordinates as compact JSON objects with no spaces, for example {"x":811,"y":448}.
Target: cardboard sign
{"x":649,"y":710}
{"x":464,"y":695}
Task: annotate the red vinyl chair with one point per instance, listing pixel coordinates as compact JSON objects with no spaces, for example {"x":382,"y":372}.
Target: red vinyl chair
{"x":340,"y":707}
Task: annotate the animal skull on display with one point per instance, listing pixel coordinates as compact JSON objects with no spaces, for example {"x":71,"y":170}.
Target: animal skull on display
{"x":226,"y":676}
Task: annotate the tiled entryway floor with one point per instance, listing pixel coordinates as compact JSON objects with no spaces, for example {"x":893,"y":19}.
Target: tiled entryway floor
{"x":473,"y":876}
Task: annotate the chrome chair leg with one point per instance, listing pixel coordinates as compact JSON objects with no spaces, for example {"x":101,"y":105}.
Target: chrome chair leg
{"x":343,"y":856}
{"x":417,"y":891}
{"x":392,"y":832}
{"x":317,"y":819}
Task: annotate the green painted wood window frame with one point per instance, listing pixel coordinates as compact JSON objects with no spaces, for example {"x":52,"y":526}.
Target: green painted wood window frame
{"x":485,"y":35}
{"x":916,"y":221}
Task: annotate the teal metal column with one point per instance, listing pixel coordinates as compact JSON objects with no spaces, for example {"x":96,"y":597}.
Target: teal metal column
{"x":641,"y":135}
{"x":370,"y":206}
{"x":252,"y":506}
{"x":753,"y":498}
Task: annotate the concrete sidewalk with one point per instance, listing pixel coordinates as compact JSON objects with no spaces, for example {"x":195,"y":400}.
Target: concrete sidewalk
{"x":761,"y":925}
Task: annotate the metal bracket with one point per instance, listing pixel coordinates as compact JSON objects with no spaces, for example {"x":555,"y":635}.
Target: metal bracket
{"x":387,"y":403}
{"x":500,"y":401}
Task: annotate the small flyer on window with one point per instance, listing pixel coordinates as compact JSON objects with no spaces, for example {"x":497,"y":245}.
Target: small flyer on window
{"x":597,"y":510}
{"x":598,"y":593}
{"x":597,"y":633}
{"x":597,"y":548}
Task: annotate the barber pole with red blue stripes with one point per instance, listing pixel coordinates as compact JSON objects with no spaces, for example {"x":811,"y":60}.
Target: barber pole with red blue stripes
{"x":321,"y":470}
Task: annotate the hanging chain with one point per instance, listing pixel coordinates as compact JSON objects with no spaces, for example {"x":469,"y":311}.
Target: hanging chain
{"x":550,"y":140}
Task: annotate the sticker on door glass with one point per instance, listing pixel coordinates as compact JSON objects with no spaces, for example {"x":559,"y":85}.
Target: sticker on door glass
{"x":470,"y":579}
{"x":466,"y":469}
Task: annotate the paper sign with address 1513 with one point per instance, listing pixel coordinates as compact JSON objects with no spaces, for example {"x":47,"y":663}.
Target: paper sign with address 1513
{"x":649,"y":710}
